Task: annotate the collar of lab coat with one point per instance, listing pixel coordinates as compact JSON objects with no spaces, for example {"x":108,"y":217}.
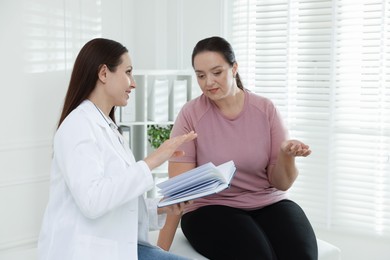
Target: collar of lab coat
{"x":121,"y":149}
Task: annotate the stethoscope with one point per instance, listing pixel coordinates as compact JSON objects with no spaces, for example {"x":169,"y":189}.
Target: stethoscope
{"x":112,"y":125}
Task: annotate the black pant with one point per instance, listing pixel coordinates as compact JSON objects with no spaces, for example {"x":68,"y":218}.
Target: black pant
{"x":279,"y":231}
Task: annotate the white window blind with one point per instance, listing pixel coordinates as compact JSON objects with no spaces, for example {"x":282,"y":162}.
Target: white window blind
{"x":326,"y":65}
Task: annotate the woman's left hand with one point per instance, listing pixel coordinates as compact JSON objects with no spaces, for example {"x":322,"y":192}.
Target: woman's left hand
{"x":295,"y":148}
{"x":168,"y":149}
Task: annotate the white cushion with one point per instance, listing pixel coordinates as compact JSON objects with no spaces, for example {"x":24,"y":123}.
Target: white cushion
{"x":327,"y":251}
{"x":181,"y":246}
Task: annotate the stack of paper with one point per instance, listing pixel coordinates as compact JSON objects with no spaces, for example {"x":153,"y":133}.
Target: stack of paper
{"x":178,"y":96}
{"x":158,"y":101}
{"x":199,"y":182}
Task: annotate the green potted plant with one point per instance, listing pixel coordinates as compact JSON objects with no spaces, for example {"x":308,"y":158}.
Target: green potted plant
{"x":157,"y":134}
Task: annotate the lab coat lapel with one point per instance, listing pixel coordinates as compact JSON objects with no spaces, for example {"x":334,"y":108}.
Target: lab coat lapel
{"x":110,"y":133}
{"x":119,"y":145}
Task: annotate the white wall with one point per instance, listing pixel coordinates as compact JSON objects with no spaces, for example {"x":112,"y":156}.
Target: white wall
{"x":166,"y":31}
{"x":39,"y":42}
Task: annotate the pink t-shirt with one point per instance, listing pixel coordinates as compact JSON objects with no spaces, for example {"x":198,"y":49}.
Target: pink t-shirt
{"x":252,"y":140}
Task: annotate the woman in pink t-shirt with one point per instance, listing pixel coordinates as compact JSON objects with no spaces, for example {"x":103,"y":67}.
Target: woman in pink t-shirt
{"x":253,"y":219}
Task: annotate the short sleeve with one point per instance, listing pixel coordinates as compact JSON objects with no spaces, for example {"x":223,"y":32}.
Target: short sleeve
{"x":279,"y":133}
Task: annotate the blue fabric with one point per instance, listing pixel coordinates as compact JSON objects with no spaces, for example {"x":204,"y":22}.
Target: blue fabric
{"x":146,"y":252}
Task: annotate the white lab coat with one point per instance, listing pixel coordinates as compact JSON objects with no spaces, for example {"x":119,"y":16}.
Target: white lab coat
{"x":96,"y":208}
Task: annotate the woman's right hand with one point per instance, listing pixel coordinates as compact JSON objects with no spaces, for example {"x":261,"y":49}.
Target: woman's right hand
{"x":168,"y":149}
{"x":175,"y":209}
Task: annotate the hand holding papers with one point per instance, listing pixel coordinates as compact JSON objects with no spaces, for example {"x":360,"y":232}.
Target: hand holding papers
{"x":199,"y":182}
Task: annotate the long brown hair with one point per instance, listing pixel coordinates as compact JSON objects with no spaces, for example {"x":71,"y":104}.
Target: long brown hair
{"x":91,"y":57}
{"x":221,"y":46}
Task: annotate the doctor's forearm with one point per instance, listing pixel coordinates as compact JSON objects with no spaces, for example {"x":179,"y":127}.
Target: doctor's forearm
{"x":153,"y":161}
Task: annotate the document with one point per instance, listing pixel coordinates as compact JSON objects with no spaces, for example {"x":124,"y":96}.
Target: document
{"x":158,"y":101}
{"x":204,"y":180}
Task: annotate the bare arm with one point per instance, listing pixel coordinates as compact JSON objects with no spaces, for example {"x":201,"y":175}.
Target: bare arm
{"x":283,"y":174}
{"x":167,"y":233}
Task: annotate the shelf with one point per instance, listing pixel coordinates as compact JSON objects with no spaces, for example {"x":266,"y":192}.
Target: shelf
{"x":156,"y":100}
